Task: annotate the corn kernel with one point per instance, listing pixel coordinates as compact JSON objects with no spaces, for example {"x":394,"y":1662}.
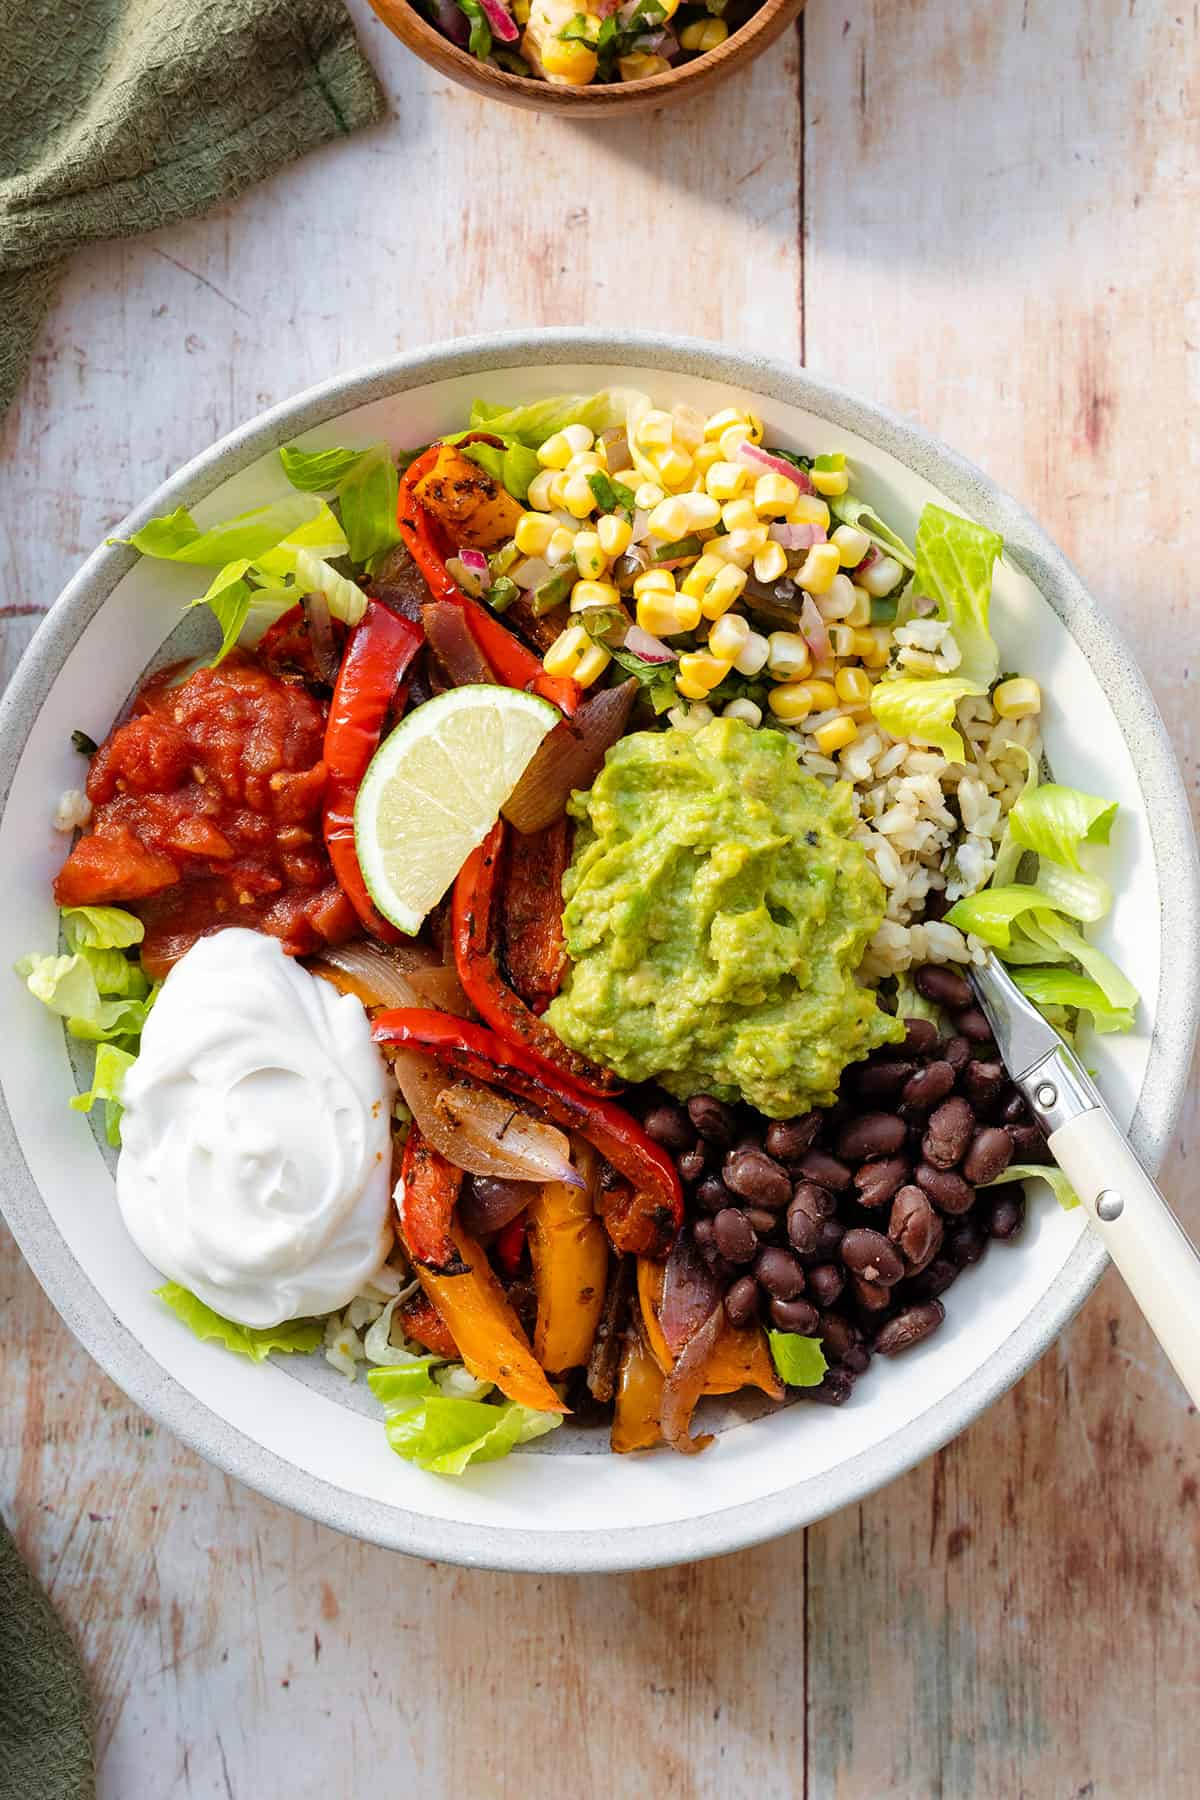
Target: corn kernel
{"x":670,"y":8}
{"x":1018,"y":698}
{"x":563,"y":656}
{"x":790,"y":702}
{"x":587,"y":594}
{"x":560,"y":547}
{"x":808,"y":509}
{"x":656,"y":430}
{"x":725,"y":480}
{"x":704,"y":34}
{"x":702,"y":670}
{"x":788,"y":656}
{"x":745,"y":710}
{"x":835,"y":736}
{"x":752,"y":658}
{"x":774,"y":494}
{"x":654,"y":581}
{"x":874,"y":646}
{"x":615,"y":535}
{"x":584,"y":462}
{"x":691,"y":690}
{"x":719,"y":422}
{"x":665,"y":615}
{"x":688,"y":423}
{"x":732,"y":438}
{"x":852,"y":544}
{"x":881,"y":577}
{"x":729,"y":636}
{"x":822,"y":693}
{"x":824,"y":670}
{"x":743,"y":545}
{"x":569,"y":64}
{"x":674,"y":466}
{"x":533,"y":533}
{"x":841,"y":640}
{"x":704,"y":456}
{"x":770,"y":563}
{"x":860,"y":613}
{"x":592,"y":664}
{"x":820,"y":567}
{"x":539,"y":491}
{"x":838,"y":603}
{"x":696,"y":581}
{"x":578,"y":497}
{"x":682,"y":514}
{"x":739,"y":515}
{"x":557,"y":483}
{"x":556,"y":452}
{"x":829,"y":481}
{"x":647,"y":495}
{"x":721,"y":592}
{"x":579,"y":438}
{"x":590,"y":559}
{"x":853,"y":687}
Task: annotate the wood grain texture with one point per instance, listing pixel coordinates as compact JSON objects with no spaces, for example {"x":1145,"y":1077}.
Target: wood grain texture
{"x":998,"y":237}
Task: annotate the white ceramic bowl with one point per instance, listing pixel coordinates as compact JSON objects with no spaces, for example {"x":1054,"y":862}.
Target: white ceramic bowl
{"x":293,"y":1428}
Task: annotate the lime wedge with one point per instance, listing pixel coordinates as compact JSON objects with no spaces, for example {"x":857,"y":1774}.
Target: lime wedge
{"x":434,"y":790}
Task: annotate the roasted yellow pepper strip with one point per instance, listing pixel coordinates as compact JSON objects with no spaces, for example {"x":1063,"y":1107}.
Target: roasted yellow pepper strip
{"x":569,"y":1249}
{"x":638,"y":1398}
{"x":486,"y":1329}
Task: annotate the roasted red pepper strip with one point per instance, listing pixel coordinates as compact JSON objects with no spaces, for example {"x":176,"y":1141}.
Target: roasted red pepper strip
{"x":647,"y":1223}
{"x":379,"y":650}
{"x":421,"y":1321}
{"x":515,"y":666}
{"x":510,"y":1244}
{"x":534,"y":952}
{"x":425,"y":1203}
{"x":476,"y":928}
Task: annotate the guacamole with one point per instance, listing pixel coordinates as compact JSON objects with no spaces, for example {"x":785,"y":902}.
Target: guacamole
{"x":716,"y":912}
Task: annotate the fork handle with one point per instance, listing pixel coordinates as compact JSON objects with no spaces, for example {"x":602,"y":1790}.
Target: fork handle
{"x":1154,"y":1254}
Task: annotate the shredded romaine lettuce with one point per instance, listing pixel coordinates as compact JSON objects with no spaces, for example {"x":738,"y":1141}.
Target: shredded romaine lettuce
{"x":101,"y":928}
{"x":344,"y":597}
{"x":366,"y":486}
{"x":176,"y":537}
{"x":799,"y":1361}
{"x":848,"y":509}
{"x":954,"y":563}
{"x":923,"y":710}
{"x":1054,"y":821}
{"x":1052,"y":987}
{"x":445,"y":1435}
{"x":108,"y":1082}
{"x":294,"y":1337}
{"x":1050,"y":1173}
{"x":533,"y":424}
{"x":513,"y":466}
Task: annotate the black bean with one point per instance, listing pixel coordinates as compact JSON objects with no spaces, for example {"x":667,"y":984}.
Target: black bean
{"x":857,"y":1359}
{"x":1015,"y":1111}
{"x":702,"y":1234}
{"x":943,"y":987}
{"x":736,"y":1238}
{"x":869,"y":1254}
{"x":973,"y":1024}
{"x":764,"y":1222}
{"x":802,"y":1230}
{"x":780,"y":1274}
{"x":881,"y":1081}
{"x":838,"y":1336}
{"x":825,"y":1284}
{"x":692,"y":1163}
{"x":871,"y":1134}
{"x":989,"y":1155}
{"x":950,"y":1128}
{"x":825,"y":1170}
{"x":877,"y":1181}
{"x":1007,"y":1215}
{"x":795,"y":1315}
{"x":920,"y":1037}
{"x":965,"y":1243}
{"x":948,"y":1191}
{"x":834,"y":1388}
{"x":668,"y":1125}
{"x":930,"y":1085}
{"x":830,"y":1233}
{"x":915,"y":1228}
{"x":741,"y":1302}
{"x":813,"y":1199}
{"x":788,"y":1139}
{"x":757,"y":1177}
{"x":1029,"y":1144}
{"x":712,"y":1119}
{"x":957,"y":1052}
{"x":712,"y":1194}
{"x":909,"y":1327}
{"x":871,"y":1296}
{"x":932,"y":1281}
{"x":983,"y":1082}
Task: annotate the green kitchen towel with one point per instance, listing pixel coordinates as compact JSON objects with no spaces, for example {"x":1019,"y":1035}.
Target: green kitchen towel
{"x":45,"y":1717}
{"x":118,"y":116}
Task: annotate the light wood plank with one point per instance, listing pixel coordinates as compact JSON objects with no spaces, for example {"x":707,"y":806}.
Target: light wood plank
{"x":1000,"y":241}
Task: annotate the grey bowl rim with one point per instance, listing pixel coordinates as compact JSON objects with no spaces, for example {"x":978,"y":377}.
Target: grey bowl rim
{"x":725,"y":1529}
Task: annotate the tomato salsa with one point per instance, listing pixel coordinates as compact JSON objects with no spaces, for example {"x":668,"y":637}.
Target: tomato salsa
{"x":207,"y":812}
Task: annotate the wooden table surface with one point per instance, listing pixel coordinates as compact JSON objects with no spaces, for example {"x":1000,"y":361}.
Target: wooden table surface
{"x":986,"y":216}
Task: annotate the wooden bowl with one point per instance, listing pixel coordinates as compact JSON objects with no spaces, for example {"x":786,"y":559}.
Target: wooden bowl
{"x":695,"y":77}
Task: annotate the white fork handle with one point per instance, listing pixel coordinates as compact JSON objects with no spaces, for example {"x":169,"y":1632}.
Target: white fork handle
{"x":1157,"y":1259}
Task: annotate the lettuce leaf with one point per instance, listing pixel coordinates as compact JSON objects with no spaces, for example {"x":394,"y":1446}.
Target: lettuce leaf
{"x":1048,"y":987}
{"x":1050,"y":1173}
{"x":176,"y":537}
{"x":344,"y":597}
{"x":514,"y":466}
{"x":366,"y":486}
{"x":445,"y":1435}
{"x":101,"y":928}
{"x":922,"y":709}
{"x":533,"y":424}
{"x":1054,"y":821}
{"x":100,"y":993}
{"x":108,"y":1081}
{"x":848,"y":509}
{"x":799,"y":1361}
{"x":1081,"y":895}
{"x":317,"y":471}
{"x":954,"y":563}
{"x":1117,"y":989}
{"x":229,"y":596}
{"x":295,"y":1336}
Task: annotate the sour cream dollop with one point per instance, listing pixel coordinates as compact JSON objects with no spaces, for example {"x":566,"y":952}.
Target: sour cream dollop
{"x":255,"y":1145}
